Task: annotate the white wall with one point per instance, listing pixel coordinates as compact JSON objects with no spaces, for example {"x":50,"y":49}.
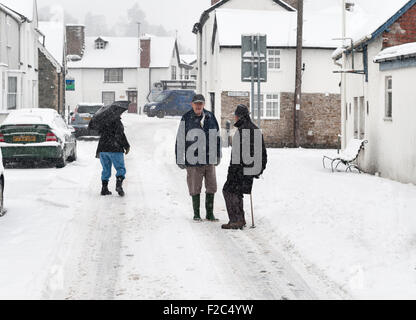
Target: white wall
{"x":391,"y":145}
{"x":89,"y":85}
{"x":12,"y":53}
{"x":317,"y":78}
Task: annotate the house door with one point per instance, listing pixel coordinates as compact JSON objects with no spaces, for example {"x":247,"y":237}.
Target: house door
{"x":132,"y":97}
{"x":212,"y":98}
{"x":362,"y":118}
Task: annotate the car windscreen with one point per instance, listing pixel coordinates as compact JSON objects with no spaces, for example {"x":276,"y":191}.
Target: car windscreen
{"x":161,"y":97}
{"x":89,"y":109}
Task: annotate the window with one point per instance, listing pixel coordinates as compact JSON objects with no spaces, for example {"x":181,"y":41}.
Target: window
{"x":269,"y":106}
{"x":273,"y":58}
{"x":99,"y":45}
{"x":187,"y":73}
{"x":389,"y":97}
{"x":173,"y":72}
{"x":109,"y":97}
{"x":12,"y":93}
{"x":113,"y":75}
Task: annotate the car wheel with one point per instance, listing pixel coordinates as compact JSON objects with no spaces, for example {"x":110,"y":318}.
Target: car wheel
{"x":61,"y":162}
{"x":161,"y":114}
{"x":73,"y":157}
{"x":2,"y":211}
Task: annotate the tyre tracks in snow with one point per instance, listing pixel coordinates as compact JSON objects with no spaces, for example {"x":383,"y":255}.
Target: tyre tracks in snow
{"x":145,"y":246}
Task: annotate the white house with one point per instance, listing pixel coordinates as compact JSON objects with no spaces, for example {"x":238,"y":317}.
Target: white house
{"x":160,"y":55}
{"x":18,"y":55}
{"x":219,"y":34}
{"x":106,"y":69}
{"x":380,"y":98}
{"x":189,"y":63}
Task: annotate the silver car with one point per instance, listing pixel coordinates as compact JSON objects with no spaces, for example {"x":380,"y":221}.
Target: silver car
{"x":82,"y":116}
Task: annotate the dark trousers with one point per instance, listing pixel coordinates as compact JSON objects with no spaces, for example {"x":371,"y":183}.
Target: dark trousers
{"x":235,"y":206}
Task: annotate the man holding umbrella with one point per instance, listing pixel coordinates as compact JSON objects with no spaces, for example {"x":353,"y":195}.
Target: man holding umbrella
{"x":248,"y":161}
{"x":112,"y":145}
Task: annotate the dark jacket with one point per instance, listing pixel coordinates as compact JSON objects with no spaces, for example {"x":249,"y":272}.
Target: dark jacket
{"x":237,"y":181}
{"x":112,"y":138}
{"x":189,"y":122}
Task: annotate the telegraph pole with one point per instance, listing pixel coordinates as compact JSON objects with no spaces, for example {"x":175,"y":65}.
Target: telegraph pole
{"x":298,"y":88}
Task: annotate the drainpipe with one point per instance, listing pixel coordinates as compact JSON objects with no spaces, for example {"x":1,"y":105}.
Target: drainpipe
{"x":344,"y":76}
{"x":59,"y":93}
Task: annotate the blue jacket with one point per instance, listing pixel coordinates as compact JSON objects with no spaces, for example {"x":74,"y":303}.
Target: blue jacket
{"x":206,"y":123}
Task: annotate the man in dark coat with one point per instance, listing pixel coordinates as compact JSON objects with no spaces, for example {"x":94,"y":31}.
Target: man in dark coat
{"x":198,"y":150}
{"x":248,"y":161}
{"x":111,"y":148}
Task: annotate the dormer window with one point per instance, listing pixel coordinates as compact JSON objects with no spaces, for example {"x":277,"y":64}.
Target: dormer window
{"x":100,"y":44}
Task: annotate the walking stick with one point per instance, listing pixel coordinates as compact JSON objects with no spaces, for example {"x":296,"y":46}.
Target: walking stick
{"x":252,"y":212}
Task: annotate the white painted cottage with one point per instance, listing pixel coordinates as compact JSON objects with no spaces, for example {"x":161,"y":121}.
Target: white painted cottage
{"x":107,"y":69}
{"x":380,"y":99}
{"x":219,"y":32}
{"x":18,"y":55}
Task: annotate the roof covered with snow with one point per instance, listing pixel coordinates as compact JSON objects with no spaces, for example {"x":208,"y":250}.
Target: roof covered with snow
{"x":403,"y":51}
{"x":363,"y":25}
{"x":188,"y":58}
{"x":123,"y":52}
{"x":54,"y":38}
{"x":22,"y":7}
{"x":161,"y":51}
{"x":120,"y":52}
{"x":319,"y":30}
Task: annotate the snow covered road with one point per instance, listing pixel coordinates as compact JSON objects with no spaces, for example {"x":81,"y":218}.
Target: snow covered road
{"x":318,"y":235}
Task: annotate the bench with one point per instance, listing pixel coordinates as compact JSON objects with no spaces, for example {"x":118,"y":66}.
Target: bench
{"x":347,"y":157}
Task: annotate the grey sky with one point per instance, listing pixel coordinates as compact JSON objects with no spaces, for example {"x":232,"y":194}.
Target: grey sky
{"x":172,"y":14}
{"x":177,"y":15}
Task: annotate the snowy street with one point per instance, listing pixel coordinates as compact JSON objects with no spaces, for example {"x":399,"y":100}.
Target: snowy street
{"x":74,"y":244}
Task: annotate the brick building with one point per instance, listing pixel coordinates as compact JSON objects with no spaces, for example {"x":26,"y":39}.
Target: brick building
{"x":219,"y":69}
{"x":379,"y":96}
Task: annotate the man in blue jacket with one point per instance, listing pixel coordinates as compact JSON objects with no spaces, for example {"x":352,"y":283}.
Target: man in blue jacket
{"x":198,"y":150}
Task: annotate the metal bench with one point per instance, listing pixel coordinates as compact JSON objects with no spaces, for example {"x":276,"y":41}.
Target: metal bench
{"x":347,"y":157}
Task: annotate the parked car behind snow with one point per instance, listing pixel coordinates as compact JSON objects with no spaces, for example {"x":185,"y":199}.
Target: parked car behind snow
{"x":37,"y":134}
{"x":82,"y":116}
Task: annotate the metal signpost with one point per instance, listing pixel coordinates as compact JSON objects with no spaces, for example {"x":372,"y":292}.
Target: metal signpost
{"x":254,"y":66}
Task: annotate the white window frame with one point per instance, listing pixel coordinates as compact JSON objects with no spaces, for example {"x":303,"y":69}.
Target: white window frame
{"x":388,"y":91}
{"x":14,"y":93}
{"x":274,"y":57}
{"x":114,"y":75}
{"x":264,"y":106}
{"x":174,"y":74}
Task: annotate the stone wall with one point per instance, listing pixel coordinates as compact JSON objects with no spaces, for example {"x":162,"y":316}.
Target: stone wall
{"x":320,"y":119}
{"x":49,"y":83}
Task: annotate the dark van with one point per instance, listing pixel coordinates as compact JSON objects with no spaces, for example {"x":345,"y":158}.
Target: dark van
{"x":170,"y":103}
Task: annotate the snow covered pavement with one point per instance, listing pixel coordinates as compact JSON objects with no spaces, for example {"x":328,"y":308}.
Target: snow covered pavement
{"x":318,"y":235}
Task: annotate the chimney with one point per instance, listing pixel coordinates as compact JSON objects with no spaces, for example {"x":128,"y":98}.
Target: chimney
{"x":292,"y":3}
{"x":145,"y":53}
{"x":75,"y":40}
{"x":214,"y":2}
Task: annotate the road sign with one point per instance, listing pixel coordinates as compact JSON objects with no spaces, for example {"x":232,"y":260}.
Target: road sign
{"x":253,"y":53}
{"x":254,"y":67}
